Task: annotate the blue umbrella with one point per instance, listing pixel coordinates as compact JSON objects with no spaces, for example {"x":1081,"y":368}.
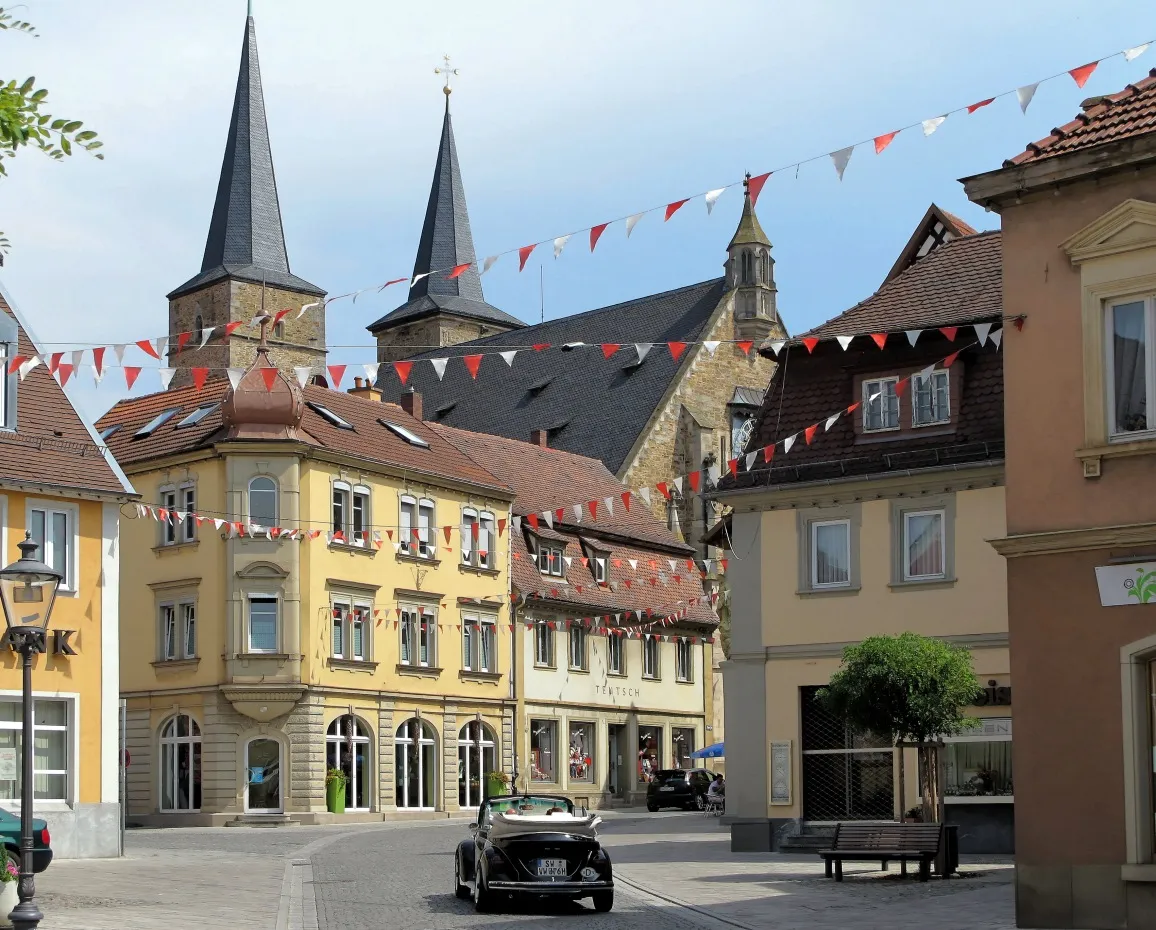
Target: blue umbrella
{"x":714,"y":751}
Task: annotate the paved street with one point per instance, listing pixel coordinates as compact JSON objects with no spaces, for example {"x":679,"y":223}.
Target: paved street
{"x":674,"y":871}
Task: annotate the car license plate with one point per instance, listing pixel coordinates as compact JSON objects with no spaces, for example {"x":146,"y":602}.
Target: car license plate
{"x":666,"y":788}
{"x":552,"y":868}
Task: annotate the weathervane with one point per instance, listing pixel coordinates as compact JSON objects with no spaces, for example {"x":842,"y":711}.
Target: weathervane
{"x":447,"y":71}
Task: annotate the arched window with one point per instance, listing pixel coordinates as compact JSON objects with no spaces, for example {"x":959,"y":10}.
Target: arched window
{"x":263,"y":501}
{"x":476,"y":759}
{"x":347,"y":749}
{"x":180,"y":765}
{"x":198,"y":329}
{"x":415,"y":765}
{"x":748,"y":268}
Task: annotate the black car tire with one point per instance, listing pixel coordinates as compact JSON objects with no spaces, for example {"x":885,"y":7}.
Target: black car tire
{"x":460,"y":891}
{"x":603,"y":901}
{"x":653,"y":808}
{"x":699,"y":802}
{"x":483,"y":900}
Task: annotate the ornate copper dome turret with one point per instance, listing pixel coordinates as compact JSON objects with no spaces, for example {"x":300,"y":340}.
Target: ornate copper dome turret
{"x":265,"y":404}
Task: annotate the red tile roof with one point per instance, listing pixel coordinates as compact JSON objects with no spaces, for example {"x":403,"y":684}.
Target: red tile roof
{"x":368,"y":439}
{"x":1131,"y":112}
{"x":959,"y":282}
{"x":51,"y":445}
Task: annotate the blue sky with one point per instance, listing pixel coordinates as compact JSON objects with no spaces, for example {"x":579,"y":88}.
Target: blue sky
{"x":566,"y":115}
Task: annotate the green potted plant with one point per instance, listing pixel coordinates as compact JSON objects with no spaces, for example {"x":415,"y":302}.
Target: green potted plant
{"x":9,"y":876}
{"x":335,"y":782}
{"x":497,"y":783}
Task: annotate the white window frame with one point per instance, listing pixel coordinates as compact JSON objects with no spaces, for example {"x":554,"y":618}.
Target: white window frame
{"x":261,"y":596}
{"x":471,"y":554}
{"x":578,"y":639}
{"x":169,"y":632}
{"x":1149,"y":368}
{"x":906,"y":551}
{"x":554,"y":560}
{"x":476,"y":640}
{"x":929,"y":380}
{"x":70,"y":586}
{"x":814,"y":541}
{"x":338,"y":623}
{"x":870,"y":386}
{"x":187,"y":494}
{"x":168,"y":528}
{"x":601,"y":565}
{"x":192,"y":741}
{"x":684,"y":659}
{"x":545,"y":647}
{"x":276,"y":499}
{"x":361,"y":499}
{"x":72,"y":771}
{"x":188,"y":618}
{"x":411,"y":620}
{"x":615,"y":648}
{"x":344,"y":491}
{"x":426,"y":528}
{"x":362,"y":736}
{"x":651,"y":669}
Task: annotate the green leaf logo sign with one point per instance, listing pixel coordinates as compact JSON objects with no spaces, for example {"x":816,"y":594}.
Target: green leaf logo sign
{"x":1144,"y":587}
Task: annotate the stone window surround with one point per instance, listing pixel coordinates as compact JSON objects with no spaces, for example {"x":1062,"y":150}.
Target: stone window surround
{"x":471,"y":556}
{"x":905,"y":505}
{"x":408,"y":549}
{"x":352,"y":603}
{"x":541,"y":625}
{"x":805,"y":518}
{"x":352,"y":489}
{"x":583,"y":640}
{"x":621,"y":670}
{"x":1138,"y":777}
{"x":183,"y":534}
{"x":656,"y":672}
{"x":483,"y":620}
{"x":264,"y":731}
{"x":276,"y":490}
{"x":683,"y":642}
{"x":174,"y":593}
{"x":426,"y":612}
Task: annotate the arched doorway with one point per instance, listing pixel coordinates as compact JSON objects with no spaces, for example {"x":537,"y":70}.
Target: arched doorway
{"x":347,"y":748}
{"x":476,"y":758}
{"x":415,"y":765}
{"x":180,"y":765}
{"x":263,"y":776}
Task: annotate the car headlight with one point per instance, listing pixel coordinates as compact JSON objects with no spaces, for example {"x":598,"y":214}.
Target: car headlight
{"x":589,"y":874}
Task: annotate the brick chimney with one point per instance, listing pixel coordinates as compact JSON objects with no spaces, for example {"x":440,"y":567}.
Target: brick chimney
{"x":411,"y":403}
{"x":362,"y":388}
{"x":540,"y":437}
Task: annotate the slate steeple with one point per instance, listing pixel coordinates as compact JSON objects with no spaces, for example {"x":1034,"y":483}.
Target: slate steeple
{"x":750,"y":275}
{"x":246,"y":241}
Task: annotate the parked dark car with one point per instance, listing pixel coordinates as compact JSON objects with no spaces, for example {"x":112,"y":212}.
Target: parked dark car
{"x":685,"y":788}
{"x":10,"y":837}
{"x":532,"y":845}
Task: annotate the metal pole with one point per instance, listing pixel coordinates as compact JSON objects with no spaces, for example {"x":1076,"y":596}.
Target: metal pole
{"x":26,"y":915}
{"x":124,"y":770}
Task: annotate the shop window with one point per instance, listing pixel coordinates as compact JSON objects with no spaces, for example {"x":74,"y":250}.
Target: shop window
{"x":415,"y":765}
{"x":650,"y":657}
{"x":263,"y":501}
{"x":180,"y":765}
{"x":582,"y":752}
{"x":543,"y":645}
{"x":577,"y":647}
{"x":543,"y":746}
{"x":477,"y":757}
{"x":978,"y":767}
{"x":615,"y":655}
{"x":682,"y":739}
{"x":263,"y":774}
{"x":684,"y":654}
{"x":479,"y":640}
{"x":347,"y":743}
{"x":649,"y":752}
{"x":51,"y":758}
{"x":418,"y":631}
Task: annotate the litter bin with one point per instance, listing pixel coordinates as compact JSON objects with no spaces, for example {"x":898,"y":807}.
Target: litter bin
{"x":947,"y":862}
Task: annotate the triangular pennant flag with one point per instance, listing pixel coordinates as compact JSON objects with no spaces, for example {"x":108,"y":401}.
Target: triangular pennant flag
{"x":533,"y":519}
{"x":147,"y":347}
{"x":304,"y":373}
{"x":489,"y":263}
{"x":403,"y":369}
{"x":733,"y":466}
{"x":167,"y":376}
{"x":881,"y":142}
{"x":608,"y":503}
{"x":473,"y":363}
{"x":769,"y":453}
{"x":76,"y":358}
{"x":560,"y":244}
{"x":711,"y":345}
{"x":746,"y":345}
{"x":809,"y":432}
{"x":596,"y":234}
{"x":593,"y":507}
{"x":232,"y":327}
{"x":577,"y":508}
{"x":161,"y":344}
{"x":850,"y":410}
{"x":831,"y":420}
{"x":439,"y":365}
{"x":1136,"y":51}
{"x":810,"y":342}
{"x":626,"y":500}
{"x":880,"y":339}
{"x":750,"y":459}
{"x":980,"y":105}
{"x":755,"y":186}
{"x":371,"y":369}
{"x":673,"y":208}
{"x":235,"y":376}
{"x":949,"y":332}
{"x":64,"y":372}
{"x":418,"y":277}
{"x":642,"y":348}
{"x":1024,"y":95}
{"x":269,"y":376}
{"x":631,"y":222}
{"x":524,"y":255}
{"x":777,"y":347}
{"x":644,"y":493}
{"x":459,"y":270}
{"x":902,"y":385}
{"x":206,"y":335}
{"x":15,"y":363}
{"x":316,"y":303}
{"x":694,"y":479}
{"x":711,"y":198}
{"x":930,"y":125}
{"x":663,"y":489}
{"x":508,"y":357}
{"x":199,"y":375}
{"x":913,"y":336}
{"x":676,"y":349}
{"x":540,"y":346}
{"x":54,"y":362}
{"x":609,"y":348}
{"x":131,"y":373}
{"x":336,"y":373}
{"x":549,"y":518}
{"x":997,"y":337}
{"x":1081,"y":74}
{"x":947,"y":363}
{"x":981,"y":331}
{"x":840,"y":159}
{"x":844,"y":341}
{"x":788,"y":442}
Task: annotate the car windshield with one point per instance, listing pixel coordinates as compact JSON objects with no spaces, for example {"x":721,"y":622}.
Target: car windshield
{"x":532,"y":805}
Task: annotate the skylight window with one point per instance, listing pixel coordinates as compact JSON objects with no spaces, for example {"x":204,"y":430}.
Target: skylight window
{"x":412,"y":438}
{"x":156,"y":423}
{"x":197,"y":415}
{"x":108,"y":431}
{"x":329,"y":415}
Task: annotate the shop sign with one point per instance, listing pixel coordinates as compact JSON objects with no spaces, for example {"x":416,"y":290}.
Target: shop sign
{"x":994,"y":695}
{"x":1121,"y":585}
{"x":617,"y":692}
{"x":58,"y":642}
{"x":8,"y":764}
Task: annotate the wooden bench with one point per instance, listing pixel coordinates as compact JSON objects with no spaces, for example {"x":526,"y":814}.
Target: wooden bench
{"x":886,"y":842}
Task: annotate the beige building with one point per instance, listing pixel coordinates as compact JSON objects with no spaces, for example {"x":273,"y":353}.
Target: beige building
{"x":878,"y":525}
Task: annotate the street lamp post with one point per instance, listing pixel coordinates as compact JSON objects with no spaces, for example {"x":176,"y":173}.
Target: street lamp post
{"x":27,"y":593}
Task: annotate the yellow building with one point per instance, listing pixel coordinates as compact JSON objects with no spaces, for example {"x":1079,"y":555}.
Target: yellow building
{"x":325,"y":586}
{"x":58,"y":483}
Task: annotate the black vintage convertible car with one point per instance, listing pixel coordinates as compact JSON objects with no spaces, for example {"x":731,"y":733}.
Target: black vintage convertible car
{"x":533,"y":845}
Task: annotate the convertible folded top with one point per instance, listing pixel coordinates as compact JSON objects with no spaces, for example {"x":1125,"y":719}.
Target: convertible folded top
{"x":521,"y":824}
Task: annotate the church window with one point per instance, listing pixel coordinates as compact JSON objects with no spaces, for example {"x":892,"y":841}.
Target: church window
{"x":198,"y":329}
{"x":748,"y":268}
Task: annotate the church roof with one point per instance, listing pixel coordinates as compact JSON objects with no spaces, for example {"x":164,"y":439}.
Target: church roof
{"x":246,"y":240}
{"x":590,"y":405}
{"x":446,"y":242}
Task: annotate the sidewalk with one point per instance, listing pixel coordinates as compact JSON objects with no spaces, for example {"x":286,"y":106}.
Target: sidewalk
{"x":686,"y":859}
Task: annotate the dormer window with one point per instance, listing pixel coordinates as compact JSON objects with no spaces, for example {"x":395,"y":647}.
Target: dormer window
{"x":550,"y":560}
{"x":880,"y":405}
{"x":600,"y":566}
{"x":930,"y":398}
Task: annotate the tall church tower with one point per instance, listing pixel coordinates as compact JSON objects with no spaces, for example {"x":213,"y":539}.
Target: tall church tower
{"x":750,"y":276}
{"x":442,"y":311}
{"x":246,"y":266}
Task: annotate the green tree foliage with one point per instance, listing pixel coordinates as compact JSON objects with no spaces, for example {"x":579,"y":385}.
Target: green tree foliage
{"x":23,"y":120}
{"x":905,"y":687}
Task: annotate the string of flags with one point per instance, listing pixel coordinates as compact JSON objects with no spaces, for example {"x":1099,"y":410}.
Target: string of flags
{"x":840,"y":159}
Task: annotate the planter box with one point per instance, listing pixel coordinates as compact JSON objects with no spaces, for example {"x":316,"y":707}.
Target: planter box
{"x":335,"y":797}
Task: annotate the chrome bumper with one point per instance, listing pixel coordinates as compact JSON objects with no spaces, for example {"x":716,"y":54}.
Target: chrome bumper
{"x":550,"y":887}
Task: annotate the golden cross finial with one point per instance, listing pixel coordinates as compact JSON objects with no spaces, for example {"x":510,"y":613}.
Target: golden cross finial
{"x":447,"y":71}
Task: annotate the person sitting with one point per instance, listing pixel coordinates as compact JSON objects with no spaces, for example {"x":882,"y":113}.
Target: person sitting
{"x":555,"y":810}
{"x":717,"y":787}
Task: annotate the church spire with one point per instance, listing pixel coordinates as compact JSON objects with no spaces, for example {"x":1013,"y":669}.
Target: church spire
{"x":246,"y":240}
{"x":750,"y":275}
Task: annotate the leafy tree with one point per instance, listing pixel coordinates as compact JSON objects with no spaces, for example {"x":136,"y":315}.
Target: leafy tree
{"x":907,"y":688}
{"x":23,"y":121}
